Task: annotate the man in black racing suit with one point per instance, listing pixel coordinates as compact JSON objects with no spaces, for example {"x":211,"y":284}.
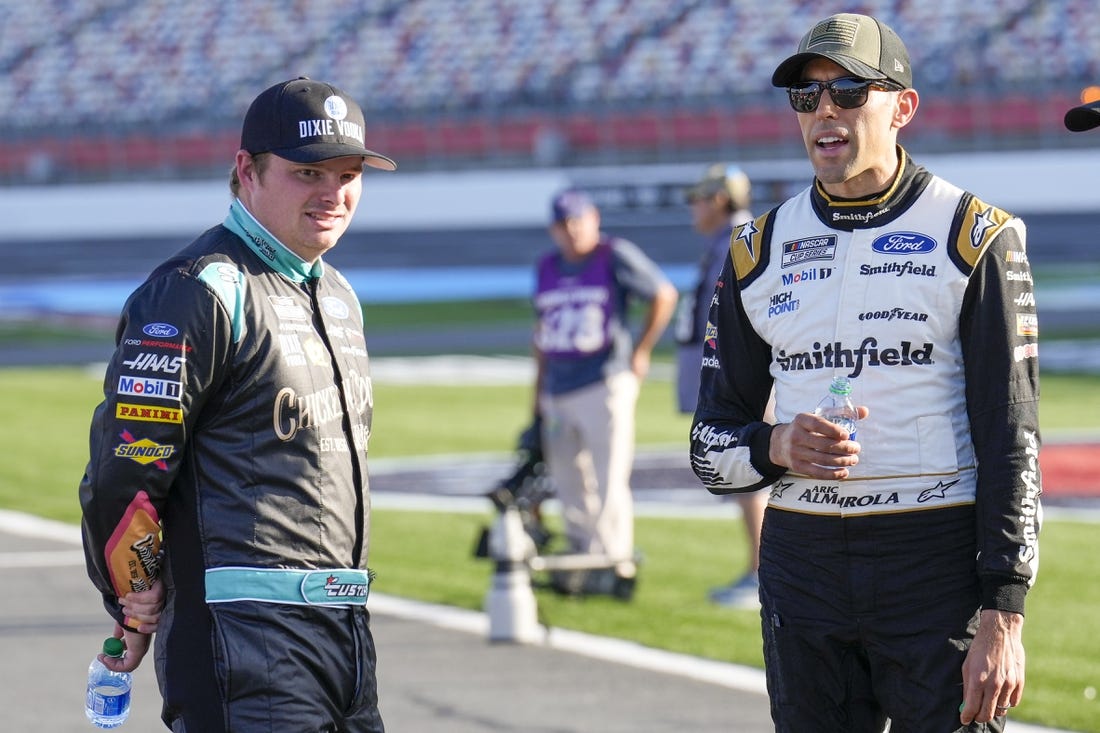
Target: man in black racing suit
{"x":236,"y":413}
{"x":895,"y":562}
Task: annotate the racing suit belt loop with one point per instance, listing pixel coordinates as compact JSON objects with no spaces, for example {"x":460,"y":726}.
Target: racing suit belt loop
{"x":320,"y":587}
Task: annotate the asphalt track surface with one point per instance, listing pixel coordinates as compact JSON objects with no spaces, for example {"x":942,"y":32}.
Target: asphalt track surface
{"x":438,"y":670}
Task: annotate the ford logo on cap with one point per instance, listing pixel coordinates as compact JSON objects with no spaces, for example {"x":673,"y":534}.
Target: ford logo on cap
{"x":903,"y":243}
{"x":160,"y":330}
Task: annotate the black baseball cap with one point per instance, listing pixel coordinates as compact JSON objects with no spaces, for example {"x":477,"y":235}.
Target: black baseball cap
{"x":308,"y":121}
{"x":862,"y":45}
{"x":1084,"y":117}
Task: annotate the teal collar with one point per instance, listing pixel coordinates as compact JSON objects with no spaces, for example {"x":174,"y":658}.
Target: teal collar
{"x":241,"y":222}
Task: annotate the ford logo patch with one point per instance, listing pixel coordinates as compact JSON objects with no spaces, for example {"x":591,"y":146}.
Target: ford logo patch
{"x":903,"y":243}
{"x":335,"y":307}
{"x":160,"y":330}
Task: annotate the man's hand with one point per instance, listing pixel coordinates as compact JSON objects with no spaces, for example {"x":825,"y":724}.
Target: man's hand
{"x":993,"y":672}
{"x":639,"y":363}
{"x":144,"y":607}
{"x":136,"y":643}
{"x":812,"y":446}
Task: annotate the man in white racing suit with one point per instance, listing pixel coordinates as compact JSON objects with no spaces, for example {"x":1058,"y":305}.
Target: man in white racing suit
{"x":894,"y":569}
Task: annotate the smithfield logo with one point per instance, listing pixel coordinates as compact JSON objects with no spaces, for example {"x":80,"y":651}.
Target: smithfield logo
{"x":160,"y":330}
{"x":903,"y":243}
{"x":899,"y":269}
{"x":836,"y":355}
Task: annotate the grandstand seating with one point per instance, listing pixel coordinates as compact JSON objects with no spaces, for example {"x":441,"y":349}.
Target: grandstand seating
{"x":106,"y":87}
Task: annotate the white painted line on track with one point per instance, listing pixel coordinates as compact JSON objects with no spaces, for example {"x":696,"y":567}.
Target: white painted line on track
{"x":28,"y":525}
{"x":55,"y":559}
{"x":733,"y":676}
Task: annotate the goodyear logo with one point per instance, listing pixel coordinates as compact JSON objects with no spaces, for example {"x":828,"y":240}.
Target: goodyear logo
{"x":130,"y":411}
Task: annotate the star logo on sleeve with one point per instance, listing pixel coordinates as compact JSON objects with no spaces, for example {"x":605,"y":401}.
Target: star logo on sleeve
{"x":744,"y":234}
{"x":939,"y":491}
{"x":983,"y":222}
{"x":779,"y":487}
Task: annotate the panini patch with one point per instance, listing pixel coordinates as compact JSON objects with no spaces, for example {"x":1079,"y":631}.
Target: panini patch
{"x":148,"y":413}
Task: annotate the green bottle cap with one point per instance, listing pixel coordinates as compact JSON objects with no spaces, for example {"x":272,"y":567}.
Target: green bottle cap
{"x":113,"y":647}
{"x":840,"y":385}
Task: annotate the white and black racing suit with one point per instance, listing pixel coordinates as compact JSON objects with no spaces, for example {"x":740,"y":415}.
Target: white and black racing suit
{"x":923,"y":297}
{"x":236,"y":414}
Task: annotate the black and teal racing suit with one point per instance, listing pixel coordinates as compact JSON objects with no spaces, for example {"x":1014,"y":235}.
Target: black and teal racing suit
{"x":236,"y":414}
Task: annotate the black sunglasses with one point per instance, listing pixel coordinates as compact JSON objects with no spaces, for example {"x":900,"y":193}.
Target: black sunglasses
{"x":847,"y":92}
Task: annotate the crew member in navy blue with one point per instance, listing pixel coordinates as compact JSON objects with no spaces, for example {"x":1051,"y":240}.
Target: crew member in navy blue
{"x":227,"y":468}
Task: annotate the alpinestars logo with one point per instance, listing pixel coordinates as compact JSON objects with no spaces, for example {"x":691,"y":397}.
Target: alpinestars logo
{"x":744,"y":235}
{"x":983,"y":222}
{"x":836,"y":356}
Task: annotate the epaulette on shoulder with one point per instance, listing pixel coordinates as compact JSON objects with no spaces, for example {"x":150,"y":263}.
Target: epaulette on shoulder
{"x":976,"y":224}
{"x":228,"y":283}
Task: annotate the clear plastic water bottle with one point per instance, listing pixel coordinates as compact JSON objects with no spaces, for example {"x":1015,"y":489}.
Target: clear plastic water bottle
{"x":837,"y":407}
{"x":108,"y":701}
